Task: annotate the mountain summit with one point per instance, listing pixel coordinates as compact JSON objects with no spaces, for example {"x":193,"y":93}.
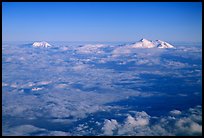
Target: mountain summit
{"x":162,"y":44}
{"x":41,"y":44}
{"x":144,"y":43}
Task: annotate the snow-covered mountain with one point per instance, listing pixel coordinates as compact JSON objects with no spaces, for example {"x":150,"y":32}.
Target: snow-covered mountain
{"x":162,"y":44}
{"x":41,"y":44}
{"x":144,"y":43}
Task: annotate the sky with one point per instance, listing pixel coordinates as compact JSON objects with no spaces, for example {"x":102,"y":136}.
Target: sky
{"x":101,"y":21}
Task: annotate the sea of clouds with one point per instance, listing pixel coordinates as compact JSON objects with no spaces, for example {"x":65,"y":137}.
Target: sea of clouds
{"x":77,"y":89}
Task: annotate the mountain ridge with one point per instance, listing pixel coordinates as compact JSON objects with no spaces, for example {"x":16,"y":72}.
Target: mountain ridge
{"x":145,"y":43}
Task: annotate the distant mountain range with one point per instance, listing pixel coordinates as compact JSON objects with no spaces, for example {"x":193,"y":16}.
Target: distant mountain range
{"x":143,"y":43}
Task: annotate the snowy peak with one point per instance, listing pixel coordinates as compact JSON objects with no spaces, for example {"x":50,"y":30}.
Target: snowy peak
{"x":144,"y":40}
{"x":41,"y":44}
{"x":162,"y":44}
{"x":144,"y":43}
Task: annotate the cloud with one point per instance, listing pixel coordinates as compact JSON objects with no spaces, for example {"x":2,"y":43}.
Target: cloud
{"x":175,"y":112}
{"x":139,"y":124}
{"x":28,"y":130}
{"x":175,"y":64}
{"x":60,"y":106}
{"x":145,"y":125}
{"x":62,"y":85}
{"x":36,"y":89}
{"x":91,"y":49}
{"x":123,"y":50}
{"x":22,"y":130}
{"x":4,"y":84}
{"x":80,"y":67}
{"x":110,"y":126}
{"x":76,"y":86}
{"x":187,"y":126}
{"x":148,"y":61}
{"x":64,"y":48}
{"x":128,"y":50}
{"x":14,"y":85}
{"x":141,"y":119}
{"x":44,"y":82}
{"x":57,"y":133}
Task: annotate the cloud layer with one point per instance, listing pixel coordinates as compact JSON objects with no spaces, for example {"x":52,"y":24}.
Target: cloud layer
{"x":141,"y":124}
{"x":71,"y":87}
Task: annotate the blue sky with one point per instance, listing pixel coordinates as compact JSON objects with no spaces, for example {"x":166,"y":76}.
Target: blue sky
{"x":28,"y":21}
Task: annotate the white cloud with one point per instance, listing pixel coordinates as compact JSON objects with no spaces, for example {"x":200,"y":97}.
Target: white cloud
{"x":44,"y":82}
{"x":4,"y":84}
{"x":62,"y":100}
{"x":142,"y":124}
{"x":27,"y":130}
{"x":140,"y":120}
{"x":175,"y":112}
{"x":64,"y":48}
{"x":30,"y":84}
{"x":61,"y":86}
{"x":124,"y":50}
{"x":58,"y":133}
{"x":175,"y":64}
{"x":14,"y":85}
{"x":22,"y":130}
{"x":80,"y":67}
{"x":36,"y":89}
{"x":91,"y":48}
{"x":140,"y":53}
{"x":186,"y":126}
{"x":109,"y":126}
